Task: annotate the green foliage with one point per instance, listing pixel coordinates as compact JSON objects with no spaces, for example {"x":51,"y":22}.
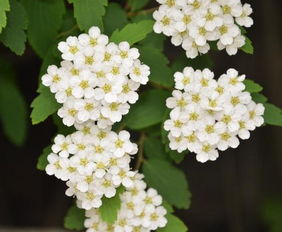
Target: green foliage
{"x":13,"y":36}
{"x":174,"y":224}
{"x":137,"y":4}
{"x":154,"y":148}
{"x":62,"y":129}
{"x":158,"y":63}
{"x":170,"y":182}
{"x":115,"y":18}
{"x":248,"y":47}
{"x":74,"y":220}
{"x":272,"y":115}
{"x":259,"y":98}
{"x":43,"y":105}
{"x":133,"y":32}
{"x":13,"y":111}
{"x":42,"y":160}
{"x":43,"y":26}
{"x":4,"y":7}
{"x":89,"y":13}
{"x":181,"y":61}
{"x":148,"y":111}
{"x":110,"y":207}
{"x":252,"y":87}
{"x":271,"y":214}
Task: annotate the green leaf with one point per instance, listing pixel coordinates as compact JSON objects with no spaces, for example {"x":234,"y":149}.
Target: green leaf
{"x":170,"y":182}
{"x":13,"y":36}
{"x":259,"y":98}
{"x":158,"y":63}
{"x":168,"y":207}
{"x":74,"y":220}
{"x":133,"y":32}
{"x":42,"y":160}
{"x":148,"y":111}
{"x":13,"y":110}
{"x":271,"y":213}
{"x":43,"y":105}
{"x":174,"y":224}
{"x":138,"y":4}
{"x":4,"y":6}
{"x":62,"y":129}
{"x":110,"y":207}
{"x":252,"y":87}
{"x":45,"y":19}
{"x":177,"y":157}
{"x":181,"y":61}
{"x":154,"y":40}
{"x":272,"y":115}
{"x":154,"y":148}
{"x":248,"y":47}
{"x":115,"y":18}
{"x":89,"y":13}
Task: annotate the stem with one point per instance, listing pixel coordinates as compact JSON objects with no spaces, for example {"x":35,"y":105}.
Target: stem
{"x":158,"y":86}
{"x":147,"y":11}
{"x":67,"y":32}
{"x":121,"y":127}
{"x":140,"y":156}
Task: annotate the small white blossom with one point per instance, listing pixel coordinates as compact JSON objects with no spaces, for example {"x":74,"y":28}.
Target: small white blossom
{"x":97,"y":79}
{"x":193,"y":24}
{"x":208,"y":115}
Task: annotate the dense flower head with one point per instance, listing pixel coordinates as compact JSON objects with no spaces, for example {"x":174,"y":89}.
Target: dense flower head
{"x":94,"y":163}
{"x":141,"y":211}
{"x":209,"y":115}
{"x":97,"y":79}
{"x":195,"y":23}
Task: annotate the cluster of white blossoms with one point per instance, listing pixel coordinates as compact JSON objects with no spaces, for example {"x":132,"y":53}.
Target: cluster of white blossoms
{"x":97,"y":80}
{"x":94,"y":163}
{"x":195,"y":23}
{"x":209,"y":115}
{"x":140,"y":211}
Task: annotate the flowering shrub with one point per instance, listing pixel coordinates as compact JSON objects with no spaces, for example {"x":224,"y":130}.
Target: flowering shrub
{"x":106,"y":83}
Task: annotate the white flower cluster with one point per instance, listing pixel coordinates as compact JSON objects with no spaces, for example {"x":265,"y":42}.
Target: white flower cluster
{"x":195,"y":23}
{"x":97,"y":80}
{"x":93,"y":162}
{"x":141,"y":211}
{"x":209,"y":114}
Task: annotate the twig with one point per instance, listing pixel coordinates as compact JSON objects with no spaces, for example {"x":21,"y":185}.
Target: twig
{"x":121,"y":127}
{"x":158,"y":86}
{"x":67,"y":32}
{"x":140,"y":156}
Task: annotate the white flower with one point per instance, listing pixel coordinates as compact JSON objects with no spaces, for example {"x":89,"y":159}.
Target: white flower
{"x":82,"y":86}
{"x":70,"y":48}
{"x":244,"y":19}
{"x":164,"y":21}
{"x":63,"y":146}
{"x":92,"y":68}
{"x":208,"y":115}
{"x":126,"y":55}
{"x":114,"y":111}
{"x":255,"y":115}
{"x":68,"y":112}
{"x":54,"y":79}
{"x":56,"y":166}
{"x":140,"y":211}
{"x":228,"y":31}
{"x":88,"y":109}
{"x":140,"y":73}
{"x":193,"y":24}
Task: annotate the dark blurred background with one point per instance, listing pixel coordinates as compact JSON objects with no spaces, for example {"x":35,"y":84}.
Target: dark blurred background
{"x":240,"y":192}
